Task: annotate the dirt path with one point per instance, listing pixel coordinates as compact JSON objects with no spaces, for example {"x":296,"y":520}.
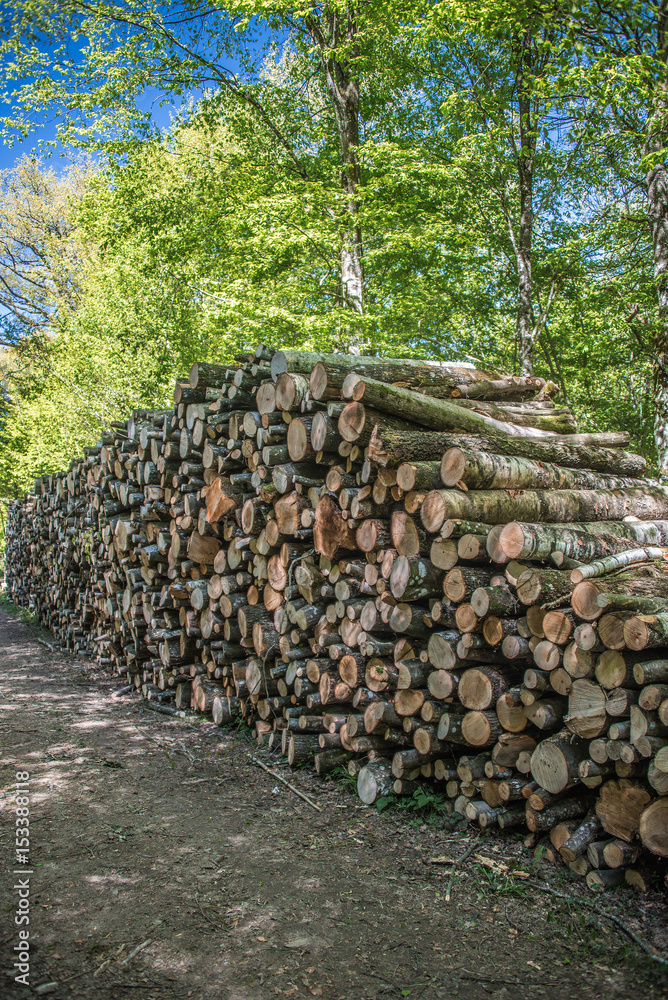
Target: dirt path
{"x":145,"y":828}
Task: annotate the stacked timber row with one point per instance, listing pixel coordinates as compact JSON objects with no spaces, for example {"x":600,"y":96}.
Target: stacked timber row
{"x":419,"y":571}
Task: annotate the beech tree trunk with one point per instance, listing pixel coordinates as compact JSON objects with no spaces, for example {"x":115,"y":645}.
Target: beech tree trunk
{"x":479,"y":470}
{"x":567,"y":506}
{"x":583,"y":542}
{"x":389,"y":447}
{"x":522,"y":239}
{"x":657,"y":211}
{"x":333,"y":31}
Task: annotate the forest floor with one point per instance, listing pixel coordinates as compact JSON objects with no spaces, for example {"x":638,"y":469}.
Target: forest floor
{"x":156,"y":832}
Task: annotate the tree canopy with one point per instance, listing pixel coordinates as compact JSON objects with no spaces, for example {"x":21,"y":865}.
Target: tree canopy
{"x":422,"y":179}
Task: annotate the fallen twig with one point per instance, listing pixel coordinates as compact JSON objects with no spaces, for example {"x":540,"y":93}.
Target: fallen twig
{"x":163,"y":709}
{"x":135,"y":951}
{"x":288,"y":783}
{"x":77,"y":975}
{"x":467,"y":854}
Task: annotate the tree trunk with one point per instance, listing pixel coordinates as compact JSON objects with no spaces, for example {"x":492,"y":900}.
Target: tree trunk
{"x":437,"y":414}
{"x":582,"y":542}
{"x":480,"y":470}
{"x":653,"y":827}
{"x":523,"y":241}
{"x":500,"y":507}
{"x":334,"y":30}
{"x":657,"y":211}
{"x":554,"y":763}
{"x":620,"y":806}
{"x":389,"y":447}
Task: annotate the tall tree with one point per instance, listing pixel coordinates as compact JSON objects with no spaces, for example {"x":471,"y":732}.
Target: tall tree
{"x":40,"y":254}
{"x":623,"y":69}
{"x":507,"y":129}
{"x":334,"y":33}
{"x":132,"y":47}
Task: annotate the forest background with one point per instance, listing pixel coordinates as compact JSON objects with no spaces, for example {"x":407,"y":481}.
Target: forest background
{"x":434,"y":179}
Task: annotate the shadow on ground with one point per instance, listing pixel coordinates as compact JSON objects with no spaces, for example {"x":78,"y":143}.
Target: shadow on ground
{"x":166,"y":865}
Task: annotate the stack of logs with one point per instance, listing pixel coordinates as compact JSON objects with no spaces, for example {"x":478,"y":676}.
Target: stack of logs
{"x":413,"y":570}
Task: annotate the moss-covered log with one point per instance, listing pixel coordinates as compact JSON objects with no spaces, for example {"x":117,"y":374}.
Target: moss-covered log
{"x":480,"y":470}
{"x":499,"y":507}
{"x":388,"y":447}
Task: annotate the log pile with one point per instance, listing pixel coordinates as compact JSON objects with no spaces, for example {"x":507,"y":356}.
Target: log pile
{"x":414,"y":570}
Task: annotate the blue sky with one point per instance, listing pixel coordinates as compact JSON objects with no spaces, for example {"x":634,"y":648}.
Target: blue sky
{"x":161,"y":115}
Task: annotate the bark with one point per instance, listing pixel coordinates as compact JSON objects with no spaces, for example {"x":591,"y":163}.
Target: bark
{"x":541,"y":820}
{"x":557,"y":421}
{"x":632,"y":602}
{"x":419,"y":476}
{"x":413,"y":674}
{"x":546,"y":713}
{"x":522,"y":239}
{"x":203,"y":375}
{"x":601,"y":567}
{"x":494,"y":601}
{"x":578,"y":842}
{"x":389,"y":447}
{"x":516,"y":647}
{"x":437,"y":414}
{"x":333,"y":31}
{"x":619,"y":701}
{"x":496,"y":629}
{"x":651,"y":672}
{"x":642,"y":632}
{"x":583,"y":541}
{"x":480,"y":470}
{"x":657,"y":212}
{"x":461,"y":581}
{"x":645,"y":723}
{"x":497,"y":507}
{"x":333,"y":369}
{"x":357,"y":422}
{"x":500,"y":388}
{"x":584,"y":599}
{"x":604,"y":878}
{"x":543,"y":585}
{"x":291,"y":389}
{"x":414,"y":578}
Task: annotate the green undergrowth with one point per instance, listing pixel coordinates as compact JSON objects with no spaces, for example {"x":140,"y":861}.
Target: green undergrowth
{"x":426,"y":806}
{"x":23,"y":614}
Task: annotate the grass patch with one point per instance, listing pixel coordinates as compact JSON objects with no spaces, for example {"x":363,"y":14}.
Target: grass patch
{"x":23,"y":614}
{"x":426,"y":805}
